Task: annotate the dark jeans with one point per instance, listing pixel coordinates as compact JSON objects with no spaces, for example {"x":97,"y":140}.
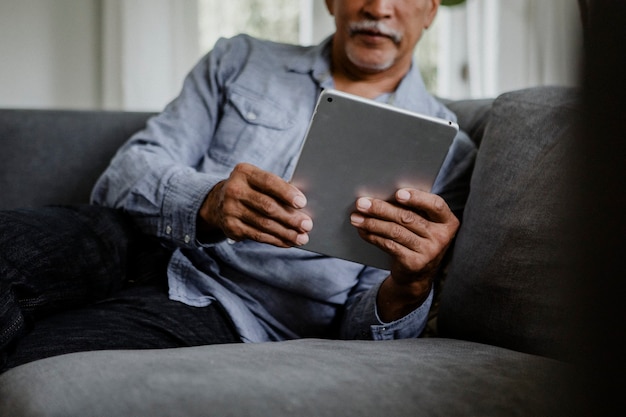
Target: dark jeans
{"x":83,"y":278}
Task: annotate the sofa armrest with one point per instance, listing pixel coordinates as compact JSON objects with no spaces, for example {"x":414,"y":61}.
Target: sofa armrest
{"x":509,"y":282}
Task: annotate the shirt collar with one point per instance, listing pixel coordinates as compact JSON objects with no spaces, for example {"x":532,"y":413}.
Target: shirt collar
{"x":316,"y":61}
{"x":411,"y":92}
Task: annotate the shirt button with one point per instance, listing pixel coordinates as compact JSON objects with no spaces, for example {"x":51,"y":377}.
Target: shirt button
{"x":187,"y":239}
{"x":168,"y":230}
{"x":251,"y":116}
{"x":230,"y":241}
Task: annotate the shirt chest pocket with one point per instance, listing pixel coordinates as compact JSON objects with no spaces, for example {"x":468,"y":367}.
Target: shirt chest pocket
{"x":254,"y":129}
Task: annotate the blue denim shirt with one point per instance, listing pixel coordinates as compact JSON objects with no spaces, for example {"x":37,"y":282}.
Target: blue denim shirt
{"x":250,"y":101}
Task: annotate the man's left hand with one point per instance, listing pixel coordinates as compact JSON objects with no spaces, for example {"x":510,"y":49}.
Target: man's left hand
{"x":416,"y":231}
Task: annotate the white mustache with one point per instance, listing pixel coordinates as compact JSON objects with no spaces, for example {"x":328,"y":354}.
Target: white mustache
{"x":376,"y":26}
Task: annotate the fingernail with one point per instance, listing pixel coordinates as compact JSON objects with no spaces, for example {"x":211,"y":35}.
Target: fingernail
{"x":299,"y":201}
{"x":302,"y":239}
{"x":356,"y":218}
{"x":307,"y":225}
{"x":363,"y":203}
{"x":403,"y":195}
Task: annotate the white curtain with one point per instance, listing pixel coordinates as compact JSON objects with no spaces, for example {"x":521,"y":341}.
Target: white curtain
{"x":555,"y":42}
{"x":492,"y":46}
{"x":148,"y":48}
{"x":483,"y":39}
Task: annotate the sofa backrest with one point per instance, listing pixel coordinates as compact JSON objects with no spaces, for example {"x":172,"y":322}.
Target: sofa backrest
{"x":472,"y":116}
{"x":507,"y":282}
{"x":55,"y":156}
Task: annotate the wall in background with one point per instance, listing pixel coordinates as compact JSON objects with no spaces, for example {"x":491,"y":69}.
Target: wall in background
{"x":50,"y":53}
{"x":54,"y":52}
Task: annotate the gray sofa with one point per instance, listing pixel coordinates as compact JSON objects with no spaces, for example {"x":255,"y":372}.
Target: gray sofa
{"x":502,"y":340}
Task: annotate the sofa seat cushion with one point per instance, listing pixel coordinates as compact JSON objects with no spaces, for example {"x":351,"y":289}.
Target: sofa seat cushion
{"x":306,"y":377}
{"x":509,"y":282}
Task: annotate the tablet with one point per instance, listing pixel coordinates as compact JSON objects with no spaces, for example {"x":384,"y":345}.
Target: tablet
{"x":355,"y":147}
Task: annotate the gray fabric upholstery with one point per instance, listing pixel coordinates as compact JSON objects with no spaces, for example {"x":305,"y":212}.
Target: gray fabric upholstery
{"x":420,"y":377}
{"x":472,"y":116}
{"x":508,"y":282}
{"x":505,"y":293}
{"x":55,"y":156}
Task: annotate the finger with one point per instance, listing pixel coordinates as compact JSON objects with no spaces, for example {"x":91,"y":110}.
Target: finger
{"x":424,"y":224}
{"x":392,"y":219}
{"x":414,"y":207}
{"x":263,"y":194}
{"x":412,"y":251}
{"x":412,"y":256}
{"x":271,"y":215}
{"x":271,"y":184}
{"x":432,"y":206}
{"x":389,"y":236}
{"x":241,"y":230}
{"x":242,"y":222}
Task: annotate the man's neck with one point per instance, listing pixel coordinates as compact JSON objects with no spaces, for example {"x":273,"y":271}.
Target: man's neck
{"x":366,"y":84}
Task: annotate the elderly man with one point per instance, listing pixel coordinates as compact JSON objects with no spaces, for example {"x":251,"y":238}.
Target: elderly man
{"x":208,"y":179}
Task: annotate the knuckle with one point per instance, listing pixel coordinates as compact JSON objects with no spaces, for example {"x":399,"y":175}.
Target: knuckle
{"x":389,"y":245}
{"x":257,"y":236}
{"x":447,"y":234}
{"x":242,"y":167}
{"x":267,"y":206}
{"x":407,"y":217}
{"x":417,"y":263}
{"x":229,"y":223}
{"x":423,"y":223}
{"x":229,"y":203}
{"x":439,"y":240}
{"x":233,"y":229}
{"x":395,"y":232}
{"x":455,"y":224}
{"x":415,"y":243}
{"x":234,"y":190}
{"x":418,"y":259}
{"x":265,"y":223}
{"x":439,"y":203}
{"x":443,"y":239}
{"x":237,"y":172}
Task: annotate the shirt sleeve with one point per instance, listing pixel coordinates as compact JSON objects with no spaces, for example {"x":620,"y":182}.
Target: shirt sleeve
{"x":155,"y":176}
{"x":453,"y":181}
{"x":361,"y":319}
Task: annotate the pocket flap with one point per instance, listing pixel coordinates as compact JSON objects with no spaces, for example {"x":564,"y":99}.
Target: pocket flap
{"x":259,"y":110}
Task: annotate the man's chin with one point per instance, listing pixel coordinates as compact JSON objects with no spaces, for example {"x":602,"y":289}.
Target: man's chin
{"x":369,"y":61}
{"x":370,"y":65}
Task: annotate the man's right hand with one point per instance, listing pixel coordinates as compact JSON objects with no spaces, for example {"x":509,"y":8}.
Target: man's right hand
{"x":258,"y":205}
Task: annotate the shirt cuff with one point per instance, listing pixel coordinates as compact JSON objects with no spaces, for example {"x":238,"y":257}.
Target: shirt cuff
{"x":366,"y":323}
{"x":409,"y":326}
{"x":186,"y":191}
